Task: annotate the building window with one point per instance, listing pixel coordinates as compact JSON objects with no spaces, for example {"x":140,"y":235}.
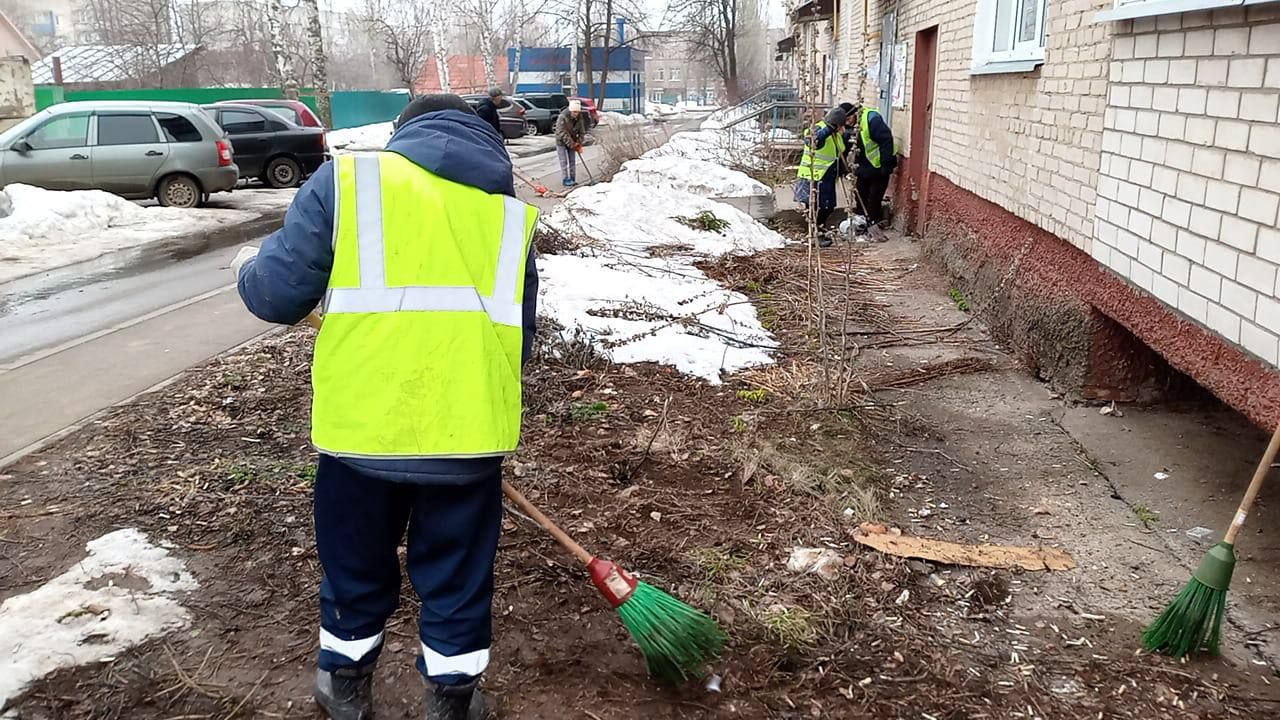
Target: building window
{"x":661,"y":74}
{"x":1009,"y":35}
{"x":675,"y":73}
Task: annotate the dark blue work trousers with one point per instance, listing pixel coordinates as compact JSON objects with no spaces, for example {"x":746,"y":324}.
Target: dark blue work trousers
{"x":453,"y":531}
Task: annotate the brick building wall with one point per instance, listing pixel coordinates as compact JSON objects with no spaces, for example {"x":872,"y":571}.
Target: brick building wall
{"x":1029,"y":142}
{"x":1190,"y":172}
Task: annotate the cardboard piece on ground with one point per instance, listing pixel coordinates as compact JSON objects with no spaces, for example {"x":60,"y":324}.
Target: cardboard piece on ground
{"x":941,"y":551}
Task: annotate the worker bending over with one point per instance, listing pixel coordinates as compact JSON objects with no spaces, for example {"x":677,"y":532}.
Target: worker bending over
{"x":876,"y":160}
{"x":420,"y":256}
{"x":825,"y":146}
{"x":571,"y":133}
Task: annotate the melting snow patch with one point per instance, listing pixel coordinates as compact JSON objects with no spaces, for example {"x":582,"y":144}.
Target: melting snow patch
{"x":42,"y":229}
{"x":717,"y":146}
{"x":638,"y":217}
{"x":698,"y":177}
{"x":365,"y":138}
{"x":654,"y":310}
{"x":117,"y":597}
{"x":635,"y":307}
{"x":617,"y":118}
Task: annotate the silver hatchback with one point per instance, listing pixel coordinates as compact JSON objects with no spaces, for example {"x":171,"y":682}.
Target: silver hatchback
{"x":137,"y":149}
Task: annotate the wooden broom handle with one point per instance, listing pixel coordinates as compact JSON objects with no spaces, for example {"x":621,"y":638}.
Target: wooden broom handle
{"x":1255,"y":485}
{"x":315,"y":320}
{"x":532,"y":511}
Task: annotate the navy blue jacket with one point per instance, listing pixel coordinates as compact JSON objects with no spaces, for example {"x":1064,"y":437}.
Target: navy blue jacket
{"x":290,"y":275}
{"x":881,"y":135}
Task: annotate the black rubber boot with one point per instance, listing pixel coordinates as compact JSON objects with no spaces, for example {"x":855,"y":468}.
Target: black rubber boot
{"x":456,"y":702}
{"x":346,"y":694}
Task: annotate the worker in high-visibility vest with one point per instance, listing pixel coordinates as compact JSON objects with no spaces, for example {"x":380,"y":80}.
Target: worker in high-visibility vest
{"x":420,"y":258}
{"x":876,"y":160}
{"x":820,"y":167}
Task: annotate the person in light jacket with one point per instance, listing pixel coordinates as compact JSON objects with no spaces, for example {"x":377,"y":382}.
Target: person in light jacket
{"x":571,"y":133}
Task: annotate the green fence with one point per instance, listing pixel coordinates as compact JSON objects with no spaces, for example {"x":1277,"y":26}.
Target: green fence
{"x":350,"y":108}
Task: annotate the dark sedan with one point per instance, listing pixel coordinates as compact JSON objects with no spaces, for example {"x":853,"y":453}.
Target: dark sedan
{"x":511,"y":116}
{"x":267,"y":146}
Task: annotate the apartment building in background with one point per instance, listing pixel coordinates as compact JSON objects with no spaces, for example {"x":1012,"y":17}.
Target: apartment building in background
{"x":1105,"y":175}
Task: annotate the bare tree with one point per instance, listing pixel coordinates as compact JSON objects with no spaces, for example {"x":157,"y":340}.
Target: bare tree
{"x":440,"y":46}
{"x":715,"y":30}
{"x":405,"y":28}
{"x":319,"y":64}
{"x":285,"y":76}
{"x":481,"y":15}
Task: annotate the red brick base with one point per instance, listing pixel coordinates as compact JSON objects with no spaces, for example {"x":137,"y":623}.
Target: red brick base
{"x":1071,"y":319}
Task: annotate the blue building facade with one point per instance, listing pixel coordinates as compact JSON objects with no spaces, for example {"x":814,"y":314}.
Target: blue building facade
{"x":547,"y":70}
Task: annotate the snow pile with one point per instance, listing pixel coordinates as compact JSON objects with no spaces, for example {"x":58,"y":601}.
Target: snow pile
{"x":715,"y":146}
{"x":49,"y":228}
{"x":636,"y":307}
{"x":698,"y":177}
{"x":617,"y":118}
{"x":360,"y":139}
{"x":665,"y":111}
{"x":637,"y":218}
{"x":781,"y":134}
{"x":119,"y":596}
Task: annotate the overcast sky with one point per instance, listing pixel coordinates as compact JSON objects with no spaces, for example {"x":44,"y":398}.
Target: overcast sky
{"x":656,"y":9}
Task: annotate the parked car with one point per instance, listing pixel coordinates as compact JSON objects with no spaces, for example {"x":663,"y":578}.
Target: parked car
{"x":557,"y":102}
{"x":269,"y":147}
{"x":511,"y":117}
{"x":295,"y":111}
{"x":541,"y":120}
{"x":593,"y":114}
{"x":137,"y":149}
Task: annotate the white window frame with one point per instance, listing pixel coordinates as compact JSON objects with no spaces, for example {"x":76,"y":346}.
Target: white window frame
{"x":1129,"y":9}
{"x":1022,"y":56}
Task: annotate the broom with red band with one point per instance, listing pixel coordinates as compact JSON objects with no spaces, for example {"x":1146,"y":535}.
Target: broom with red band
{"x":677,"y":640}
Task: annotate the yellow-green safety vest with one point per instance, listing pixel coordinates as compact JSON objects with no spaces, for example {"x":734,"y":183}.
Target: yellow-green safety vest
{"x":814,"y":163}
{"x":419,"y":356}
{"x":870,"y":148}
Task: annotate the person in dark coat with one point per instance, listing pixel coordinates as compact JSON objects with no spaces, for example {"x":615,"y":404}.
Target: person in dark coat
{"x":876,"y":159}
{"x":450,"y":505}
{"x":488,"y":109}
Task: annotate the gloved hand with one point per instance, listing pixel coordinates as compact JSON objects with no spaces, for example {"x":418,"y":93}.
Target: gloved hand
{"x":577,"y":148}
{"x":247,"y":253}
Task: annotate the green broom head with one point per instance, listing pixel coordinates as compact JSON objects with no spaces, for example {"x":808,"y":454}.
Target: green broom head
{"x":1193,"y":621}
{"x":677,"y":640}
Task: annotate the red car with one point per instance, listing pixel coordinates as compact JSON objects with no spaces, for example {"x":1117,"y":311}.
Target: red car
{"x":295,"y":111}
{"x":589,"y":107}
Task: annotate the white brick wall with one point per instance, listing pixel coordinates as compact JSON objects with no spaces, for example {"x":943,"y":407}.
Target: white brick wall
{"x":1028,"y":142}
{"x":1189,"y":181}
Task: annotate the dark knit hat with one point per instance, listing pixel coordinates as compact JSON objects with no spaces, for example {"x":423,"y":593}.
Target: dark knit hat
{"x":424,"y":104}
{"x":846,"y":107}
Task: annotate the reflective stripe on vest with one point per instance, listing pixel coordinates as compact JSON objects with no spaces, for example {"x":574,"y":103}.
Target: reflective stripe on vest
{"x":420,"y":352}
{"x":870,"y":148}
{"x":814,"y":163}
{"x":373,"y":295}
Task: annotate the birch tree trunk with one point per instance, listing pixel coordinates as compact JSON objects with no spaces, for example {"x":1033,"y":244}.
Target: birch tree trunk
{"x":285,"y":77}
{"x":319,"y":62}
{"x":440,"y":41}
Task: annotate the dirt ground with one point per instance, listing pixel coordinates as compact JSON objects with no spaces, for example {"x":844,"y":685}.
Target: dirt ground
{"x":912,"y":418}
